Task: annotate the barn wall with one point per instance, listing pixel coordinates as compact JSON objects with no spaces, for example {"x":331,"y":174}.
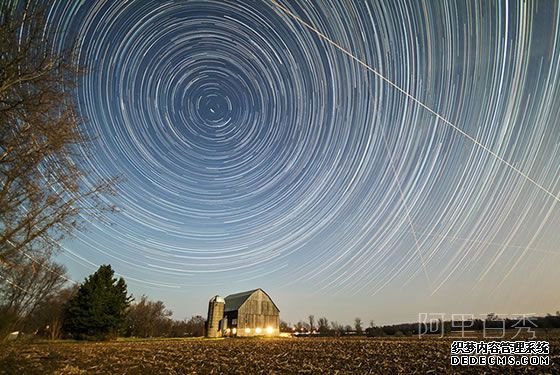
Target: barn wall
{"x":258,"y":312}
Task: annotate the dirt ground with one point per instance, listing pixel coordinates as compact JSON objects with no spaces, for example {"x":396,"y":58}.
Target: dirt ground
{"x":408,"y":355}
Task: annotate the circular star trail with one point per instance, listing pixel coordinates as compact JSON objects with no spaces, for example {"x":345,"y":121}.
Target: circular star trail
{"x":252,"y":146}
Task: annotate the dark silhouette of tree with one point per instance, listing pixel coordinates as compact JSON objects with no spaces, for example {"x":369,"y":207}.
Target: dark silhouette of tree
{"x":148,"y":319}
{"x":323,"y":325}
{"x":26,"y":288}
{"x":337,"y":329}
{"x":98,"y":310}
{"x":35,"y":282}
{"x":311,"y":323}
{"x":302,"y":326}
{"x":284,"y":326}
{"x":195,"y":326}
{"x":151,"y":319}
{"x":358,"y":326}
{"x":47,"y":319}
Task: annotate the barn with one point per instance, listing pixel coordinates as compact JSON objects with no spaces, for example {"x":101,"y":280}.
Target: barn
{"x":250,"y":313}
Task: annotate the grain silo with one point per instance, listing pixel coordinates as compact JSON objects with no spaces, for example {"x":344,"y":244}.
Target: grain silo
{"x":215,"y":315}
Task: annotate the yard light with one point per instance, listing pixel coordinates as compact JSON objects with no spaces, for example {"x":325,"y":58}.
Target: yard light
{"x":258,"y":330}
{"x":234,"y":331}
{"x":269,"y":330}
{"x":247,"y":330}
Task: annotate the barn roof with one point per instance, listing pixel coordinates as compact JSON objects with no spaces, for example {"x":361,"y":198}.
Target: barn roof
{"x":234,"y":301}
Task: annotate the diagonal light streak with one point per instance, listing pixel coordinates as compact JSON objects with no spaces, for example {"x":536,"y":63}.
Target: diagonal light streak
{"x":414,"y":99}
{"x":407,"y":209}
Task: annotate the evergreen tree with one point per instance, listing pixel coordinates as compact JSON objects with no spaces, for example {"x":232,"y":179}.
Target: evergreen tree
{"x":99,"y":308}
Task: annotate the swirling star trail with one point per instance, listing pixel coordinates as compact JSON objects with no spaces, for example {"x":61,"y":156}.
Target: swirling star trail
{"x":348,"y":148}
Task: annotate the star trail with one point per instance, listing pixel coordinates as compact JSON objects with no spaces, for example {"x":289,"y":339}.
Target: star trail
{"x":359,"y":146}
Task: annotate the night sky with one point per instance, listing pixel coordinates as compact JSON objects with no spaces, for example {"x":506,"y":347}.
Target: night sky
{"x":396,"y":157}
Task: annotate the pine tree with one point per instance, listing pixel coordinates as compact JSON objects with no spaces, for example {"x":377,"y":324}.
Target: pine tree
{"x":99,"y":308}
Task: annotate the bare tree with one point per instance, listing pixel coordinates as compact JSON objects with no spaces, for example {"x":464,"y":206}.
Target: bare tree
{"x":323,"y":325}
{"x":42,"y":188}
{"x":47,"y":319}
{"x":25,"y":288}
{"x":148,"y":319}
{"x":302,"y":326}
{"x":312,"y":322}
{"x":358,"y":326}
{"x":337,"y":328}
{"x":284,"y":327}
{"x":30,"y":284}
{"x":195,"y":326}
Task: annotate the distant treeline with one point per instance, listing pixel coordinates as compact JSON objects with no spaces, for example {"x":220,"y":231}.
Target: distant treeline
{"x":322,"y":327}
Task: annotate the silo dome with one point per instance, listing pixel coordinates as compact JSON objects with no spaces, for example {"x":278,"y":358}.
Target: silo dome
{"x":217,"y":299}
